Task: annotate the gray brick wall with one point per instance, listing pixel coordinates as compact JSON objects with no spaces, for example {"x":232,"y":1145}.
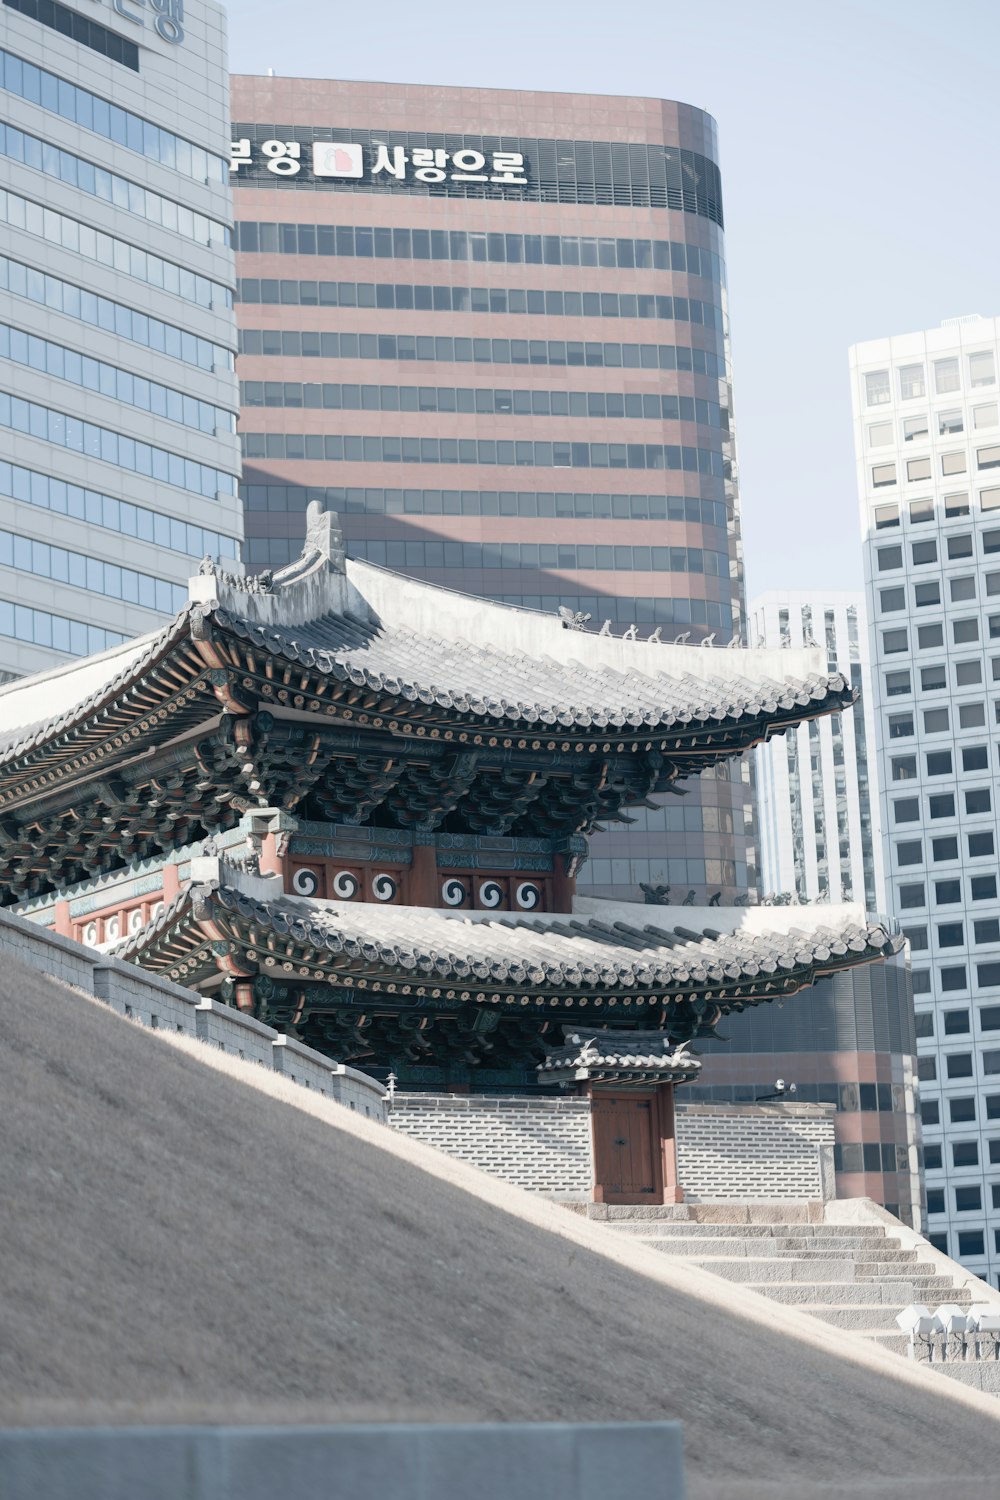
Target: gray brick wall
{"x":540,"y":1144}
{"x":741,"y":1153}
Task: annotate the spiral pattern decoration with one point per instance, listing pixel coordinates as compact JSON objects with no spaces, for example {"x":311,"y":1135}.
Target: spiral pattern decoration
{"x":305,"y":882}
{"x":90,"y":934}
{"x":384,"y":887}
{"x":345,"y":885}
{"x":135,"y":920}
{"x":490,"y":894}
{"x":112,"y":930}
{"x":528,"y":895}
{"x":453,"y":892}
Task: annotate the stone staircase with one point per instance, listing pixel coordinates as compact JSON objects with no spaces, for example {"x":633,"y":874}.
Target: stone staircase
{"x":853,"y":1275}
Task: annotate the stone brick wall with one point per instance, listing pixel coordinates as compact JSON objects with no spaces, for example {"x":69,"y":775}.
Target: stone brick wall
{"x":160,"y":1004}
{"x":762,"y":1153}
{"x":540,"y":1144}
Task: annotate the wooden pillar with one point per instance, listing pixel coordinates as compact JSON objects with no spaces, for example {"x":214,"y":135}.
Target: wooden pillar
{"x":422,"y":883}
{"x":672,"y":1190}
{"x":171,"y":883}
{"x":563,"y":884}
{"x":63,"y":925}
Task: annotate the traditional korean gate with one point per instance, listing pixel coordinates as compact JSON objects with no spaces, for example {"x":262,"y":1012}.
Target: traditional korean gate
{"x":626,"y":1148}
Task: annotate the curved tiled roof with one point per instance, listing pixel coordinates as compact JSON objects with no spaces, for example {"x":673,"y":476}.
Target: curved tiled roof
{"x":552,"y":951}
{"x":649,"y":1054}
{"x":515,"y":686}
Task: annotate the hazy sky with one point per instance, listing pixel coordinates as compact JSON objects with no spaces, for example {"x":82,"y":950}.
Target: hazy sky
{"x":859,"y":153}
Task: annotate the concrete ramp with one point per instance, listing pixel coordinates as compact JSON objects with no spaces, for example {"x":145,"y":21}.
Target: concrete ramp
{"x":190,"y":1239}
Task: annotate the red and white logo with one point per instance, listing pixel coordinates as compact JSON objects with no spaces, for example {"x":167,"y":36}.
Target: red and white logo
{"x":337,"y":159}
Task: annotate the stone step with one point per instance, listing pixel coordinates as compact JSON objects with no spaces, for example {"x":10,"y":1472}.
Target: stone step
{"x":752,"y":1215}
{"x":695,"y":1245}
{"x":688,"y":1227}
{"x":879,"y":1318}
{"x":761,"y":1269}
{"x":873,"y":1270}
{"x":895,"y":1294}
{"x":892,"y":1339}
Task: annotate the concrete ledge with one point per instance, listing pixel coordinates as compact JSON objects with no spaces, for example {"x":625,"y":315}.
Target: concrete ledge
{"x":544,"y":1461}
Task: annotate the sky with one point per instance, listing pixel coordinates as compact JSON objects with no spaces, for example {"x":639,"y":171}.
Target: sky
{"x":859,"y":153}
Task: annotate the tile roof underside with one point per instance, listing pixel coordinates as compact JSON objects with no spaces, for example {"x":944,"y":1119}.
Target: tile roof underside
{"x":368,"y":945}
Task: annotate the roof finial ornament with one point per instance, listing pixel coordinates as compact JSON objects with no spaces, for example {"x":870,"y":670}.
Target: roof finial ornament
{"x":734,"y":644}
{"x":709,"y":640}
{"x":631,"y":633}
{"x":683,"y":638}
{"x":572,"y":619}
{"x":655,"y":637}
{"x":207,"y":566}
{"x":605,"y":628}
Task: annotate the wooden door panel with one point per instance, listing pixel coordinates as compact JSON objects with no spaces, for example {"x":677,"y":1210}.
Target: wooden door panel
{"x":625,"y":1147}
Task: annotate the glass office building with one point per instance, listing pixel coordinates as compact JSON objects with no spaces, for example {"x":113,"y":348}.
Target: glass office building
{"x":489,"y":328}
{"x":927,"y":433}
{"x":118,"y":449}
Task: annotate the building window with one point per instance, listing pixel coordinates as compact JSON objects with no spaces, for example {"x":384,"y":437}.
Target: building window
{"x":939,"y":763}
{"x":989,"y":1015}
{"x":991,"y":1063}
{"x":932,"y":1158}
{"x":956,"y":505}
{"x":935,"y":1200}
{"x":930,"y":1112}
{"x":968,"y":1200}
{"x":958,"y":1064}
{"x":88,"y":33}
{"x":921,"y":980}
{"x":906,"y":810}
{"x":877,"y":388}
{"x":961,"y":546}
{"x":914,"y":428}
{"x":980,"y":844}
{"x":929,"y":637}
{"x":924,"y":594}
{"x":942,"y":850}
{"x":917,"y":938}
{"x":990,"y":499}
{"x":883,"y":475}
{"x":991,"y":542}
{"x":942,"y":805}
{"x":961,"y":1111}
{"x":950,"y":423}
{"x":889,"y":557}
{"x":983,"y":887}
{"x":968,"y":673}
{"x":948,"y":893}
{"x":985,"y":416}
{"x":933,"y":679}
{"x":927,"y":1069}
{"x":892,"y":599}
{"x":888,"y":515}
{"x":988,"y":976}
{"x":987,"y":930}
{"x":897,"y":684}
{"x":920,"y":511}
{"x":962,"y":588}
{"x":953,"y":463}
{"x":975,"y":758}
{"x":894,"y":641}
{"x":956,"y":1022}
{"x":972,"y":715}
{"x":970,"y":1243}
{"x":982,"y":369}
{"x":978,"y":801}
{"x":923,"y":552}
{"x":911,"y":382}
{"x":924,"y":1021}
{"x":935,"y":721}
{"x":879,"y":434}
{"x":904,"y":767}
{"x":946,"y":377}
{"x":911,"y":897}
{"x":964,"y":631}
{"x":911,"y":853}
{"x":918,"y":468}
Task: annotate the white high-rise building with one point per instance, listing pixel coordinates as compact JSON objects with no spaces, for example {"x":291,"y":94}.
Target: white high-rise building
{"x":119,"y":457}
{"x":816,"y":790}
{"x":927,"y":428}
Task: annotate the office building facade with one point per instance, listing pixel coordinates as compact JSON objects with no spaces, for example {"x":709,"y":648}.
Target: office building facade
{"x":119,"y":458}
{"x":927,"y":431}
{"x":489,"y":329}
{"x":817,"y":797}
